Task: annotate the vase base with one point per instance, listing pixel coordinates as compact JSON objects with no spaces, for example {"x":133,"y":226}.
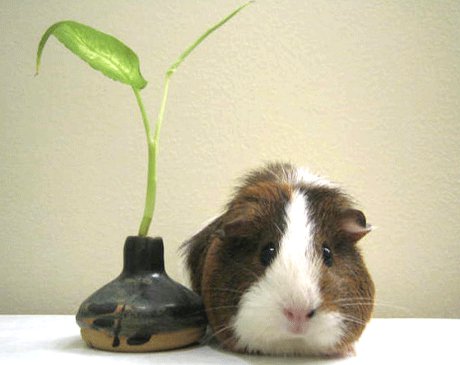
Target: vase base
{"x":157,"y":342}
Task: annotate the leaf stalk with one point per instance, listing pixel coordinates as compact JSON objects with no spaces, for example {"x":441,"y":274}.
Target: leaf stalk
{"x":153,"y":142}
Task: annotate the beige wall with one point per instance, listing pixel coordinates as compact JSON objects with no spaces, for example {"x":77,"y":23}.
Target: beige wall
{"x":364,"y":92}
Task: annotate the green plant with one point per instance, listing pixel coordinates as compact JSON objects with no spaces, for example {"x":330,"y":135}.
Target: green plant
{"x":114,"y":59}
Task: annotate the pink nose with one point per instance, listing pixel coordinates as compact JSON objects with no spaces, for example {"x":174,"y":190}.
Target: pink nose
{"x":298,"y":315}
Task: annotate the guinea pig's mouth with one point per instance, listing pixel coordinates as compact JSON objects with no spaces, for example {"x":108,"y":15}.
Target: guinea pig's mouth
{"x":296,"y":330}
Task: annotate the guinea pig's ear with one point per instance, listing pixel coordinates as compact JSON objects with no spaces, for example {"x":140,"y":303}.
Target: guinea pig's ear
{"x":353,"y":224}
{"x":238,"y":227}
{"x":240,"y":223}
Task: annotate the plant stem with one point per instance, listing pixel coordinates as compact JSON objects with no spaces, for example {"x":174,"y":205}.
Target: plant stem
{"x":151,"y":170}
{"x":153,"y":144}
{"x":189,"y":50}
{"x":161,"y":113}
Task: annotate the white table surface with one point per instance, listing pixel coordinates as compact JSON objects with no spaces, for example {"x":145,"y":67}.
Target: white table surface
{"x":56,"y":339}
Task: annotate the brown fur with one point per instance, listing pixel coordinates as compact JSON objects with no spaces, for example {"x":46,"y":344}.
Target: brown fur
{"x":223,"y":258}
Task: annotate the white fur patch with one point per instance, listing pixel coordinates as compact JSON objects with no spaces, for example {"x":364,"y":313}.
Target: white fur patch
{"x":292,"y":280}
{"x":304,"y":176}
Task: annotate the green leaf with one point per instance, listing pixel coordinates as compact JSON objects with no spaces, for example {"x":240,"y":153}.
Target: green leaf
{"x":101,"y":51}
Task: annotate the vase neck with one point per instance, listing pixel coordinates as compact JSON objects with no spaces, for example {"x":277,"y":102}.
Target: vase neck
{"x":143,"y":254}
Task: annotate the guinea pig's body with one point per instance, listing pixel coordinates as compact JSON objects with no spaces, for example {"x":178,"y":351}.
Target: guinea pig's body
{"x":279,"y":271}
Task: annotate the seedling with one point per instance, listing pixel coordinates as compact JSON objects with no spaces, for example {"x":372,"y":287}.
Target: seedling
{"x":117,"y":61}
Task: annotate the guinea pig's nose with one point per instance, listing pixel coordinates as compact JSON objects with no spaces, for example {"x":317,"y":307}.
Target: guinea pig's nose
{"x":298,"y":315}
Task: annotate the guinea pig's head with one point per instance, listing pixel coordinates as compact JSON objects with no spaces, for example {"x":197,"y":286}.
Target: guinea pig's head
{"x":280,"y":271}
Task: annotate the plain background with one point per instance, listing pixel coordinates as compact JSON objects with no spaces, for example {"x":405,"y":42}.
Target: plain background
{"x":365,"y":93}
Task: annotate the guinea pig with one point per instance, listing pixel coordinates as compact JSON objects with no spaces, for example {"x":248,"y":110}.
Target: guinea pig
{"x":279,"y":271}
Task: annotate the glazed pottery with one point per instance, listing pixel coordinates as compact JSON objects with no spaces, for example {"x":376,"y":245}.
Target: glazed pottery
{"x":142,"y":309}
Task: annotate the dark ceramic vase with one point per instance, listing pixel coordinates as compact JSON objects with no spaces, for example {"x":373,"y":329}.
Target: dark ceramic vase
{"x":142,"y":309}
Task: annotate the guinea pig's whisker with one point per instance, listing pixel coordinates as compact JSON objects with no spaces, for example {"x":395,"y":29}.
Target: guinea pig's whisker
{"x":405,"y":309}
{"x":207,"y":338}
{"x":213,"y":334}
{"x":223,"y":290}
{"x":278,"y":228}
{"x":366,"y":301}
{"x":221,"y":344}
{"x":353,"y":319}
{"x":220,"y":330}
{"x":357,"y":303}
{"x":352,"y":299}
{"x":222,"y":307}
{"x":391,"y":305}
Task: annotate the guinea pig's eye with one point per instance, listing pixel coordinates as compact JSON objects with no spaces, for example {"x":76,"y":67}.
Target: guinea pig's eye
{"x":267,"y":254}
{"x":327,"y":256}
